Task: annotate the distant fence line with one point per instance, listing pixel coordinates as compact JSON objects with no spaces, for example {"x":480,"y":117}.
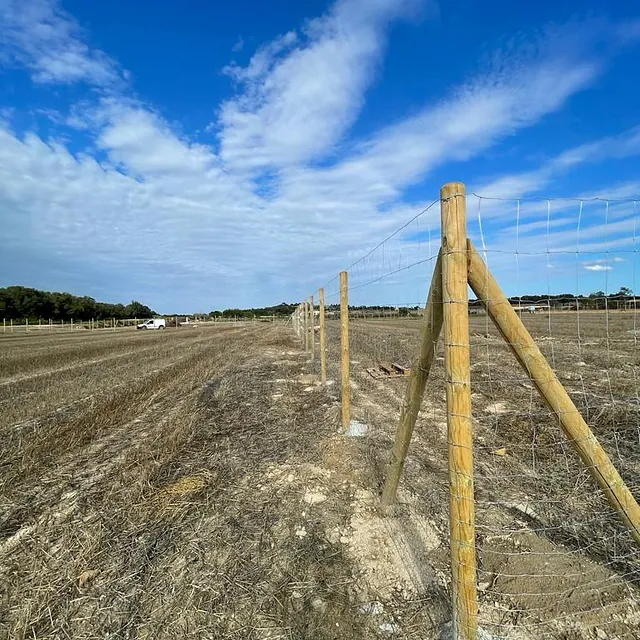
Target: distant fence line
{"x":10,"y":326}
{"x":112,"y":324}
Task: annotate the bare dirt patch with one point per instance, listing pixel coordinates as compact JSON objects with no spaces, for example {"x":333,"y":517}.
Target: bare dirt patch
{"x":208,"y":493}
{"x":580,"y":565}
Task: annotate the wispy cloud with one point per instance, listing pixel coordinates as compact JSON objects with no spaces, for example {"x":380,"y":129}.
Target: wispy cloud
{"x":140,"y":141}
{"x":615,"y":259}
{"x":40,"y":35}
{"x":517,"y":91}
{"x":239,"y":45}
{"x":301,"y":92}
{"x":521,"y":184}
{"x":603,"y":264}
{"x":250,"y":218}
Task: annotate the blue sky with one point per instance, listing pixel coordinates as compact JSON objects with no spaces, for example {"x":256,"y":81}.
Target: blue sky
{"x":207,"y":155}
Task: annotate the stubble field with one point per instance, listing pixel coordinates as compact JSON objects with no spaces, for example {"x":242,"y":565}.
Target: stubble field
{"x":193,"y":483}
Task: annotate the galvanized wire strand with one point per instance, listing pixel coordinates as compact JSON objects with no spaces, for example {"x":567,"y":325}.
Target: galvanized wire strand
{"x":551,"y":514}
{"x":548,"y":543}
{"x":389,"y":237}
{"x":562,"y":199}
{"x":391,"y":273}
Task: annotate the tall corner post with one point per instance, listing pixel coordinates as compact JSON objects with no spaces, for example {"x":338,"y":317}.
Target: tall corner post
{"x":458,"y":395}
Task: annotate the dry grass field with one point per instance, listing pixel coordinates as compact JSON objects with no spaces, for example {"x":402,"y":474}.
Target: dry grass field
{"x":193,"y":484}
{"x":553,"y":560}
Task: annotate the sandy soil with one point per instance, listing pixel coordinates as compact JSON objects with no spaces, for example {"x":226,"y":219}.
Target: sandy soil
{"x":194,"y":484}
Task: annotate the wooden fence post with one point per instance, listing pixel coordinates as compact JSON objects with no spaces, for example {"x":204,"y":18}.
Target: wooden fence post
{"x":344,"y":343}
{"x":537,"y":368}
{"x":323,"y":342}
{"x":429,"y":334}
{"x":312,"y":329}
{"x":459,"y":428}
{"x":305,"y":327}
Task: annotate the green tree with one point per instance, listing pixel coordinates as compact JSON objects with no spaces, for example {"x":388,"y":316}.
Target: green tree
{"x":138,"y":310}
{"x":18,"y":303}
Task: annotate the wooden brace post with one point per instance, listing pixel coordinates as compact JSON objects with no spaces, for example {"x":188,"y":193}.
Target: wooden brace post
{"x":429,"y":334}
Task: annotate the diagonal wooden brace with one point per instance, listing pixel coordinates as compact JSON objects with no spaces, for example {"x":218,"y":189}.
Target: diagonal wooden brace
{"x":536,"y":366}
{"x":429,"y":334}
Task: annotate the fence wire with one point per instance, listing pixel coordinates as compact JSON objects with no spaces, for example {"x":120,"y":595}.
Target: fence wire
{"x":553,"y":557}
{"x":554,"y":560}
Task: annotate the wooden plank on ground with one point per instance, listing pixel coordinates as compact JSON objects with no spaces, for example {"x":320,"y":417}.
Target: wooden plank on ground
{"x":400,"y":370}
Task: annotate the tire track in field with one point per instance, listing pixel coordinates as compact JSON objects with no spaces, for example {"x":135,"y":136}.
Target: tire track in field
{"x":63,"y":409}
{"x":54,"y":501}
{"x":40,"y":356}
{"x":84,"y":468}
{"x":86,"y":363}
{"x":127,"y":363}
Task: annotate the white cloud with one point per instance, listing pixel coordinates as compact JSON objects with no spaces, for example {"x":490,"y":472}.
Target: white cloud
{"x":41,"y":36}
{"x":598,"y":267}
{"x":606,"y":261}
{"x":520,"y":184}
{"x":517,"y":92}
{"x":184,"y":222}
{"x":239,"y":45}
{"x":139,"y":140}
{"x":301,"y":93}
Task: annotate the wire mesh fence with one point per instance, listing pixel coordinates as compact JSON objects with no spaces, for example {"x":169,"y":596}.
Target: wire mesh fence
{"x":554,"y":559}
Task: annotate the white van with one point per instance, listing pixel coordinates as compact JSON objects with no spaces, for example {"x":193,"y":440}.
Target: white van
{"x":155,"y":323}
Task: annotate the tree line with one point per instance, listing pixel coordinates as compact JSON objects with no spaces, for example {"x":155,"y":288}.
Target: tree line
{"x":20,"y":303}
{"x":285,"y":309}
{"x":595,"y":300}
{"x":280,"y":310}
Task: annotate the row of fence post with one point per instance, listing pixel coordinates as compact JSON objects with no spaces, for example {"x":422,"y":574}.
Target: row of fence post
{"x":448,"y":310}
{"x":304,"y":326}
{"x":457,"y":267}
{"x":111,"y":323}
